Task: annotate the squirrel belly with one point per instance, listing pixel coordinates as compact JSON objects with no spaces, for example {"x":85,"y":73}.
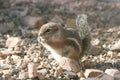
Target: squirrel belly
{"x":55,"y":55}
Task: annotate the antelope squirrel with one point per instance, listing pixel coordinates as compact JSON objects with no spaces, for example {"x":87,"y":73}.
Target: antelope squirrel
{"x":66,"y":42}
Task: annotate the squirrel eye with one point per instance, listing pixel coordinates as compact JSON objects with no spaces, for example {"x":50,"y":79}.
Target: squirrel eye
{"x":48,"y":30}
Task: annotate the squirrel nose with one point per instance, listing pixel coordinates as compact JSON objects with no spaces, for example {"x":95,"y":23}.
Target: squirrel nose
{"x":40,"y":39}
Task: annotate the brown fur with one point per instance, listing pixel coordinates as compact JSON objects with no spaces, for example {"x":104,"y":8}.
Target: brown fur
{"x":65,"y":42}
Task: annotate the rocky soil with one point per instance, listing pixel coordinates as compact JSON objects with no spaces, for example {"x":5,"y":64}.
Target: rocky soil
{"x":23,"y":58}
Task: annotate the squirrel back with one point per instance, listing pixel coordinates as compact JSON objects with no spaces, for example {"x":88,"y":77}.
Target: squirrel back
{"x":84,"y":31}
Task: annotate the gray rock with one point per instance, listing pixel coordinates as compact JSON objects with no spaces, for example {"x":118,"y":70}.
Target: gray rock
{"x":71,"y":75}
{"x":12,"y":41}
{"x":4,"y":28}
{"x":4,"y":4}
{"x":116,"y":46}
{"x":15,"y":71}
{"x":23,"y":75}
{"x":5,"y":66}
{"x":7,"y":76}
{"x":43,"y":71}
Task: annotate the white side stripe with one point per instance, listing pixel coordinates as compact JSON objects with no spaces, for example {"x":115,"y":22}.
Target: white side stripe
{"x":75,"y":42}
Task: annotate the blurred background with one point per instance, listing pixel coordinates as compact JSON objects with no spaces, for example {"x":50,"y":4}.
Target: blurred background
{"x":101,"y":13}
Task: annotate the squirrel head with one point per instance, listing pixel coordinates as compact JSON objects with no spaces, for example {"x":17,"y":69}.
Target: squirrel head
{"x":49,"y":32}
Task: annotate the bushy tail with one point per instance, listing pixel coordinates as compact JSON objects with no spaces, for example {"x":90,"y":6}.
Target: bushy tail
{"x":84,"y":31}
